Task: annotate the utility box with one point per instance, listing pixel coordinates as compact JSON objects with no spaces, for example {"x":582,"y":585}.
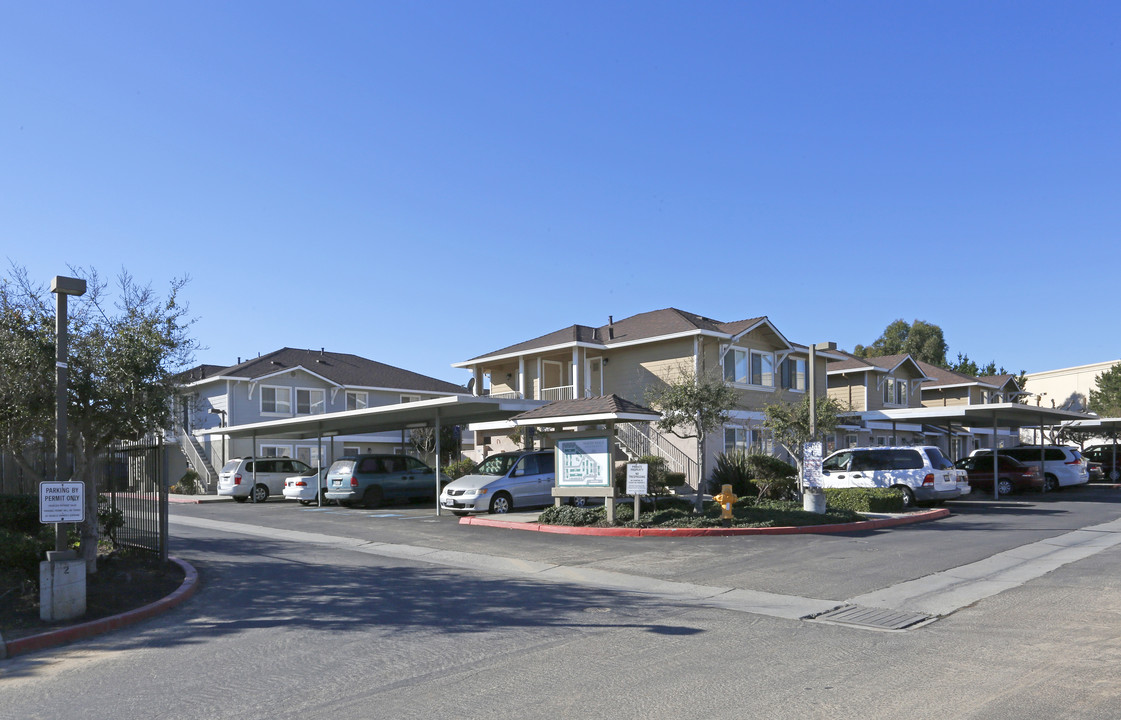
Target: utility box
{"x":62,"y":587}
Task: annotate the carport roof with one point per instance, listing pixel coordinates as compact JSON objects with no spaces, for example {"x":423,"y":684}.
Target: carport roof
{"x":453,"y":410}
{"x":1012,"y":415}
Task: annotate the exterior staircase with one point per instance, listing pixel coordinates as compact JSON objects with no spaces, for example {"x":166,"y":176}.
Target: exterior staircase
{"x":196,"y":458}
{"x":639,"y":439}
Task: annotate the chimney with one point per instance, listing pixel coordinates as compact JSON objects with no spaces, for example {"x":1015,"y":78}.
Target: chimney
{"x":610,"y":327}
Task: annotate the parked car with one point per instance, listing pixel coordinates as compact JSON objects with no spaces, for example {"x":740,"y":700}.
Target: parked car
{"x":1094,"y":469}
{"x":1015,"y":476}
{"x":1062,"y":465}
{"x":370,"y":480}
{"x":921,"y":472}
{"x":265,"y":476}
{"x":502,"y":482}
{"x":1104,"y":455}
{"x":303,"y":487}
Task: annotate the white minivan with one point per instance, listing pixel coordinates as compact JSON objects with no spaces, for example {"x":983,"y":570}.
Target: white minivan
{"x":921,"y":472}
{"x":265,"y":476}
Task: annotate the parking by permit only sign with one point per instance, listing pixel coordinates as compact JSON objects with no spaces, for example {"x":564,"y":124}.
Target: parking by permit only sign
{"x":62,"y":502}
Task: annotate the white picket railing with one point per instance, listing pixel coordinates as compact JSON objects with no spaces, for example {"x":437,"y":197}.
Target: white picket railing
{"x":643,"y":439}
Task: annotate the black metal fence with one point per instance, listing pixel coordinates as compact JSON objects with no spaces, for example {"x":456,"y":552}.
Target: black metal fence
{"x":135,"y":490}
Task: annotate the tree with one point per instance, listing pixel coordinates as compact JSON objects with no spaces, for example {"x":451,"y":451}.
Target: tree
{"x":423,"y":441}
{"x":921,"y":340}
{"x":1105,"y":397}
{"x":692,"y":407}
{"x":789,"y":423}
{"x":123,"y":355}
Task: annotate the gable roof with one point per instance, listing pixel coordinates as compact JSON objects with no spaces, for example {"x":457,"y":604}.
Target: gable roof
{"x":651,"y":325}
{"x":343,"y":369}
{"x":587,"y":410}
{"x":878,"y":363}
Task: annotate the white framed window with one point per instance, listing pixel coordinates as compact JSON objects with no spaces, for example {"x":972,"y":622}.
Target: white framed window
{"x":357,"y":399}
{"x":895,"y":391}
{"x":881,"y":440}
{"x":794,"y":374}
{"x":410,"y":398}
{"x":737,"y":439}
{"x":750,"y":367}
{"x":310,"y":402}
{"x":276,"y":400}
{"x":278,"y":451}
{"x":351,"y":451}
{"x":851,"y":441}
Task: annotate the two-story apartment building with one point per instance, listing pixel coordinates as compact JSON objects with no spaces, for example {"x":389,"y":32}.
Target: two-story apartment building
{"x":290,"y":383}
{"x":634,"y":355}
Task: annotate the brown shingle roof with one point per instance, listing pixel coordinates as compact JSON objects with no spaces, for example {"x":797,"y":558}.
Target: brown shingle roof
{"x":604,"y":405}
{"x":341,"y":368}
{"x":643,"y":326}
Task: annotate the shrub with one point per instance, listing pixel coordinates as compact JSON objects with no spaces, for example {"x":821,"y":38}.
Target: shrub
{"x":458,"y":469}
{"x":765,"y":467}
{"x":657,"y":477}
{"x":573,"y":516}
{"x":22,"y":552}
{"x":876,"y":500}
{"x":733,"y":469}
{"x":188,"y":484}
{"x":110,"y":519}
{"x":20,"y":514}
{"x":778,"y":489}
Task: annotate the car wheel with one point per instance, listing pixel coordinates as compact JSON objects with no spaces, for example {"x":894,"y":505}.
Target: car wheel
{"x":1004,"y":486}
{"x":1050,"y":483}
{"x":908,"y":496}
{"x":372,"y":497}
{"x":305,"y":503}
{"x":501,"y":504}
{"x":260,"y":493}
{"x":578,"y":502}
{"x":240,"y":499}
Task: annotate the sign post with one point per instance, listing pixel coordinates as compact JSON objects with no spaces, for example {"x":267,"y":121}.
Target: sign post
{"x":637,"y":484}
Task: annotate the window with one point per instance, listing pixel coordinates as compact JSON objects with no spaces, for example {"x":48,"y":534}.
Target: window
{"x":736,"y":439}
{"x":410,"y":398}
{"x":794,"y":374}
{"x":310,"y":402}
{"x":895,"y":391}
{"x":351,"y":451}
{"x":750,"y":367}
{"x":851,"y":441}
{"x":735,"y":366}
{"x":276,"y":400}
{"x":356,"y":400}
{"x":275,"y":451}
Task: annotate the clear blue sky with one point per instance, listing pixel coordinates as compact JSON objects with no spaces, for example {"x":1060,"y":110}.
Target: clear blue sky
{"x":423,"y":182}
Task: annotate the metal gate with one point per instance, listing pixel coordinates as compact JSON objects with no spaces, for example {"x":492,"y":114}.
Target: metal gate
{"x":135,"y":491}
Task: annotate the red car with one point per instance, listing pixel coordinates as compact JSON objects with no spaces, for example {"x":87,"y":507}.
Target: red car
{"x":1014,"y":475}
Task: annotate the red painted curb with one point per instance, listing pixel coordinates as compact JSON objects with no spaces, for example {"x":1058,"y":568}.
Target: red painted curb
{"x":703,"y":532}
{"x":65,"y":635}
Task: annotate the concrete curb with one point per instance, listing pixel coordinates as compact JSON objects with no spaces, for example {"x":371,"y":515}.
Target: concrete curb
{"x":61,"y":636}
{"x":709,"y":532}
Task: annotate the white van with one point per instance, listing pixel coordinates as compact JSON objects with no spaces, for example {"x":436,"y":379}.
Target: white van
{"x":921,"y":472}
{"x":237,"y":477}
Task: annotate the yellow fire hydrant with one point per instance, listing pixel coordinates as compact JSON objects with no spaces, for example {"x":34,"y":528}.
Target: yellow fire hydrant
{"x":726,"y":497}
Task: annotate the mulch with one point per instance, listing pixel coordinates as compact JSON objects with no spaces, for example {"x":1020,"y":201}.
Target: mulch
{"x":122,"y":582}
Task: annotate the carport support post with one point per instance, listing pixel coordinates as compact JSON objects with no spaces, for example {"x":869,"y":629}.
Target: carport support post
{"x":253,"y":479}
{"x":437,"y":463}
{"x":1043,"y":454}
{"x":996,"y":460}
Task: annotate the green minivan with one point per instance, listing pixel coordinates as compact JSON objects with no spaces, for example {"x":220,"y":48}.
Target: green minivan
{"x":370,"y":480}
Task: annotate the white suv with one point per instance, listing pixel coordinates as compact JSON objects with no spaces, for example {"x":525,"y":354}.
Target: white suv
{"x":237,"y":476}
{"x":1062,"y":465}
{"x":921,"y":472}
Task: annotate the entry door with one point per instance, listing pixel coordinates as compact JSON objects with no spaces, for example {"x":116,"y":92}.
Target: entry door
{"x":595,"y":376}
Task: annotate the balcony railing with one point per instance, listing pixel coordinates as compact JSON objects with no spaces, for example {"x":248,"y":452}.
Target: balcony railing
{"x":563,"y":392}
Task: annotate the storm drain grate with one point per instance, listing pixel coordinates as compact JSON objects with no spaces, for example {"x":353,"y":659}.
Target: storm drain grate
{"x":873,"y":617}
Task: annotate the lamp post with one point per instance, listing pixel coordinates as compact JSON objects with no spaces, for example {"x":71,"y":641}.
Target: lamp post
{"x":62,"y":287}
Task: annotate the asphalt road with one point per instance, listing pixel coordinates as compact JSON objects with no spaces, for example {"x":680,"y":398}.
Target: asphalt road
{"x":409,"y":619}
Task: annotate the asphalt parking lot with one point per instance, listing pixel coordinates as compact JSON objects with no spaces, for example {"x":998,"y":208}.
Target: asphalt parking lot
{"x":825,"y":566}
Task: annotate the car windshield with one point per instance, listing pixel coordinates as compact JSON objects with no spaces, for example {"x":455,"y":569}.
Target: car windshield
{"x":496,"y":465}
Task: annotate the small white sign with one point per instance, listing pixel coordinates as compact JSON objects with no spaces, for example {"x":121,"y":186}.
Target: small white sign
{"x":811,"y":464}
{"x":637,"y":474}
{"x":62,"y":502}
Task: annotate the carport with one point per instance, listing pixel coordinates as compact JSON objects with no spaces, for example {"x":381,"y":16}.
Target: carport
{"x":454,"y":410}
{"x":995,"y":415}
{"x":1105,"y":427}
